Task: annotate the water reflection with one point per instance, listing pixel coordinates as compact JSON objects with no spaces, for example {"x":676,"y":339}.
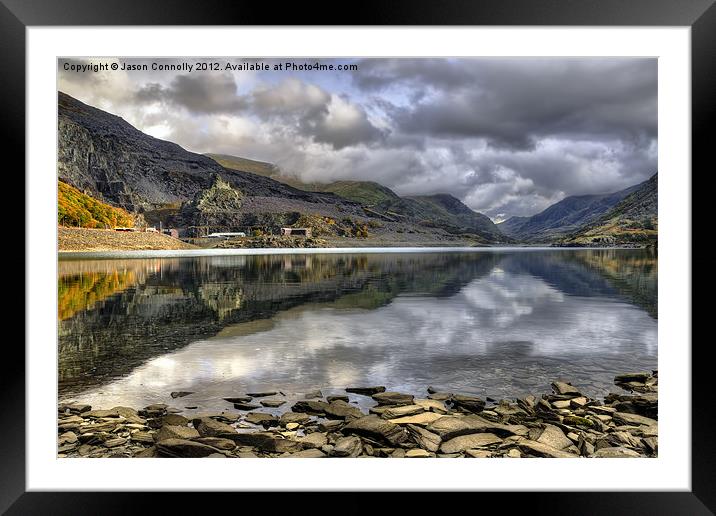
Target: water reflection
{"x":493,"y":323}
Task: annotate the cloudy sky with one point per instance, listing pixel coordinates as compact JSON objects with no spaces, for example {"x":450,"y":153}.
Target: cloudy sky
{"x":508,"y":136}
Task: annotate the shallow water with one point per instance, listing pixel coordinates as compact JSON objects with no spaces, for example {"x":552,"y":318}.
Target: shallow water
{"x":496,"y":323}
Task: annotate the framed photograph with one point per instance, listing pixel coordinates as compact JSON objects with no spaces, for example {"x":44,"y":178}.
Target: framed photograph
{"x":427,"y":232}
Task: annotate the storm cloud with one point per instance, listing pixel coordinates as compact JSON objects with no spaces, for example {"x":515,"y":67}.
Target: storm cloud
{"x":508,"y":136}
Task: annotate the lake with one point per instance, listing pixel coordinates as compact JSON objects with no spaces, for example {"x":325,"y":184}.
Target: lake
{"x":491,"y":322}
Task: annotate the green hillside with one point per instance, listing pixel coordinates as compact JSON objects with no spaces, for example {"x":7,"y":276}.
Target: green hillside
{"x":245,"y":165}
{"x":364,"y":192}
{"x":77,"y":209}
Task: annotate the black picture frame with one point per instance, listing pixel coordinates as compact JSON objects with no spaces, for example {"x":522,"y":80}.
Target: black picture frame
{"x":699,"y":15}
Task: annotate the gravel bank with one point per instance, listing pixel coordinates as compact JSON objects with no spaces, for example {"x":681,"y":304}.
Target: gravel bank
{"x":82,"y":239}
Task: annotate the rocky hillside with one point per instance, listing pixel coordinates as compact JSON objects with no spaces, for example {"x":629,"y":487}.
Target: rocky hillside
{"x":563,"y":217}
{"x":634,"y":220}
{"x":101,"y":153}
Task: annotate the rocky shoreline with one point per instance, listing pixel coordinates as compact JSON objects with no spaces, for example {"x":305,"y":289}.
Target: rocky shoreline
{"x":562,"y":424}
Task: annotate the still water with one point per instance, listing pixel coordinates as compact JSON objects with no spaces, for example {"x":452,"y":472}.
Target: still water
{"x":498,"y":323}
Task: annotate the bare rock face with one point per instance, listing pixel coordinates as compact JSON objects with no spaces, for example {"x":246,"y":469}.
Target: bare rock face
{"x":218,"y":205}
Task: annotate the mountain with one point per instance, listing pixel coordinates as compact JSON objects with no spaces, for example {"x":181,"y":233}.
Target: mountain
{"x":105,"y":155}
{"x":437,"y":211}
{"x":563,"y":217}
{"x":634,"y":220}
{"x":115,"y":163}
{"x":446,"y":212}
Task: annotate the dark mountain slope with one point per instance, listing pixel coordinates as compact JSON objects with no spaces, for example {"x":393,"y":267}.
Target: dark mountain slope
{"x":634,"y":220}
{"x":563,"y":217}
{"x":101,"y":153}
{"x":444,"y":210}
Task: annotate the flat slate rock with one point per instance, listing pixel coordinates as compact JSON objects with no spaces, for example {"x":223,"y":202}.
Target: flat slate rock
{"x":432,"y":405}
{"x":366,"y":391}
{"x":175,"y":420}
{"x":339,"y":397}
{"x":313,"y":394}
{"x":377,"y":429}
{"x":393,"y":398}
{"x":350,"y":446}
{"x":330,"y":425}
{"x":311,"y":453}
{"x":616,"y":452}
{"x":208,"y":427}
{"x":313,"y":407}
{"x":262,"y":394}
{"x":342,"y":410}
{"x":422,"y":419}
{"x":261,"y":418}
{"x":402,"y":411}
{"x":467,"y":442}
{"x":425,"y":439}
{"x":272,"y":403}
{"x":554,"y":437}
{"x":246,"y":406}
{"x":469,"y":403}
{"x":565,"y":389}
{"x":238,"y":399}
{"x":448,"y":427}
{"x":294,"y":417}
{"x":175,"y":432}
{"x":633,"y":419}
{"x":543,"y":450}
{"x":219,"y":443}
{"x":268,"y":442}
{"x":632,"y":377}
{"x":417,"y":453}
{"x":184,"y":448}
{"x":313,"y":440}
{"x":180,"y":394}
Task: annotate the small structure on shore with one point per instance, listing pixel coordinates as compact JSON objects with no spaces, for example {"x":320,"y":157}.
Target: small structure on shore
{"x":226,"y":235}
{"x":304,"y":232}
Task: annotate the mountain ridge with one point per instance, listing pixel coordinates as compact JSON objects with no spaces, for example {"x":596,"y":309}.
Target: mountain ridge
{"x":563,"y":217}
{"x":103,"y":155}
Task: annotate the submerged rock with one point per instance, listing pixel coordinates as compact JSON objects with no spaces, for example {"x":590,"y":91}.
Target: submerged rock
{"x":272,"y":403}
{"x":261,"y":394}
{"x":393,"y":398}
